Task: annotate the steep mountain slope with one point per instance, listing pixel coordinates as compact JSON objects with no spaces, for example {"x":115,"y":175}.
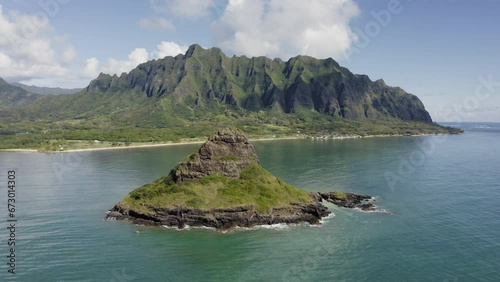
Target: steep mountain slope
{"x":11,"y":95}
{"x":208,"y":79}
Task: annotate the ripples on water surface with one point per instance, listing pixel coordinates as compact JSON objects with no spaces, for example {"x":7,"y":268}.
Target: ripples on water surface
{"x":445,"y":224}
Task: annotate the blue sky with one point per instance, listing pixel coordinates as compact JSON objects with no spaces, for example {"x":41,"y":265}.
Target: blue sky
{"x":443,"y":51}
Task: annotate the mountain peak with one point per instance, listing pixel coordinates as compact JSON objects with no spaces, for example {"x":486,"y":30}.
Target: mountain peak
{"x":227,"y":152}
{"x":193,"y":49}
{"x":3,"y":82}
{"x":197,"y":49}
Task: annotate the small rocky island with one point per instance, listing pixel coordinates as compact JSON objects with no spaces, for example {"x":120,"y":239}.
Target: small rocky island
{"x":222,"y":185}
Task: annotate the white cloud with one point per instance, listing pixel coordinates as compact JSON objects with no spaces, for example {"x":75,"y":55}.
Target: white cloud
{"x":69,"y":54}
{"x":189,"y":9}
{"x":27,"y":53}
{"x":37,"y":51}
{"x":157,"y":23}
{"x":169,"y":49}
{"x":285,"y":28}
{"x":30,"y":51}
{"x":5,"y":60}
{"x":136,"y":57}
{"x":91,"y":69}
{"x":26,"y":48}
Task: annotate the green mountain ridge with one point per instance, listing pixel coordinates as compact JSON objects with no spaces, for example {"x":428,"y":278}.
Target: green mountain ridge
{"x":191,"y":95}
{"x":11,"y":95}
{"x":208,"y":79}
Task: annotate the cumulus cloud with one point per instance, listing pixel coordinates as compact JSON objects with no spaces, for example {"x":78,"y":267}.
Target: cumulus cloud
{"x":157,"y":23}
{"x":91,"y":69}
{"x":31,"y":52}
{"x":189,"y":9}
{"x":5,"y":60}
{"x":26,"y":48}
{"x":169,"y":49}
{"x":136,"y":57}
{"x":285,"y":28}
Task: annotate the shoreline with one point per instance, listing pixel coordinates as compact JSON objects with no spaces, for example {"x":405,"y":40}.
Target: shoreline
{"x":137,"y":146}
{"x":106,"y":148}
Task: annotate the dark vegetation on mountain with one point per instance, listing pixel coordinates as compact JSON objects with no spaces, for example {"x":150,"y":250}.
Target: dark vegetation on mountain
{"x":222,"y":185}
{"x":191,"y":95}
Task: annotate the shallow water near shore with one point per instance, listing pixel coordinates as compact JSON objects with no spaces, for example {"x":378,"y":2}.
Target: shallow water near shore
{"x":442,"y":197}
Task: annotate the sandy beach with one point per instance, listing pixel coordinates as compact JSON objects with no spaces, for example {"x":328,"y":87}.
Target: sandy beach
{"x":105,"y":148}
{"x":140,"y":145}
{"x":19,"y":150}
{"x":203,"y":141}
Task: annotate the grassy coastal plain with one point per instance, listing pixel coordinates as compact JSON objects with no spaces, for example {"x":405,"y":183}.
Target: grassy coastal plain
{"x":82,"y":145}
{"x":45,"y":138}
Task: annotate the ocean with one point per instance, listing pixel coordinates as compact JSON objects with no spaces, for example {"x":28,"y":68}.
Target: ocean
{"x":440,"y":194}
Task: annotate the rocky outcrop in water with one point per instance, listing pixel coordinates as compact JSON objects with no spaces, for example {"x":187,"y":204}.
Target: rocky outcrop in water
{"x":348,"y":200}
{"x":226,"y":165}
{"x":243,"y":216}
{"x":224,"y":218}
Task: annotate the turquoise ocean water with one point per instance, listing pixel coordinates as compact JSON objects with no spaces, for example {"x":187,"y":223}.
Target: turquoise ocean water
{"x":442,"y":194}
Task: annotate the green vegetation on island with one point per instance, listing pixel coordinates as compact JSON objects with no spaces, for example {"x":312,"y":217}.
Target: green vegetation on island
{"x":255,"y":186}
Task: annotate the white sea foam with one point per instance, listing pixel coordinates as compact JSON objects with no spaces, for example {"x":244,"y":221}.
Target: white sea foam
{"x":481,"y":126}
{"x":323,"y":219}
{"x":331,"y":215}
{"x":203,"y":227}
{"x":277,"y":226}
{"x":187,"y":227}
{"x":377,"y":210}
{"x":170,"y":227}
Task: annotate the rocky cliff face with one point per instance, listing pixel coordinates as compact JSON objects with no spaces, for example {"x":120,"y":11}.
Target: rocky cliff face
{"x":227,"y":152}
{"x":207,"y":78}
{"x":223,"y":218}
